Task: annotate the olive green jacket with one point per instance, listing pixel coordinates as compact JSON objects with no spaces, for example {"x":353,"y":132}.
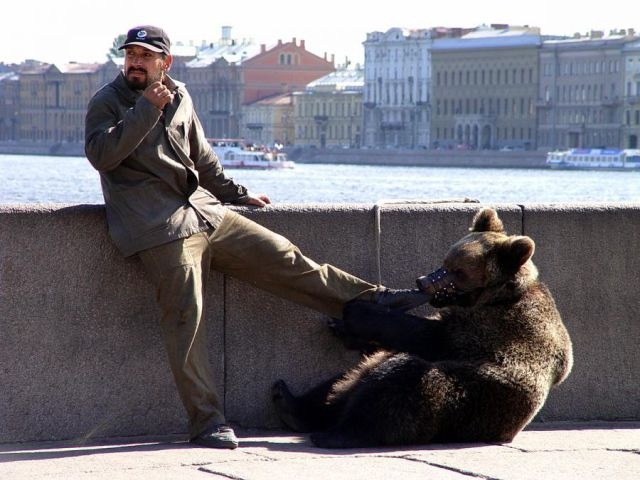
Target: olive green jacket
{"x":160,"y":179}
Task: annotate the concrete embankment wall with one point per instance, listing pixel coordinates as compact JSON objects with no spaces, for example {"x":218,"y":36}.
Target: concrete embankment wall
{"x":350,"y":156}
{"x":81,"y":354}
{"x":74,"y":149}
{"x":422,"y":158}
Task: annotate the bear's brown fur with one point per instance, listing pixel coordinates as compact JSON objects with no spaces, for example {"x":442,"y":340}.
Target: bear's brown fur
{"x":478,"y":370}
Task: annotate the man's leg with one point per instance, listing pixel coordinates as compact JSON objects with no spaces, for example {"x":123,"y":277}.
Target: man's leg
{"x":179,"y":271}
{"x":250,"y":252}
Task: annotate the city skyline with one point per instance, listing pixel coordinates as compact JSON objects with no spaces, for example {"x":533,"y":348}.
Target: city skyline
{"x":68,"y":30}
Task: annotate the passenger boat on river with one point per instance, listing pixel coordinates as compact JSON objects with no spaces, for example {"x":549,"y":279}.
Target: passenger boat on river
{"x":595,"y":159}
{"x":235,"y":153}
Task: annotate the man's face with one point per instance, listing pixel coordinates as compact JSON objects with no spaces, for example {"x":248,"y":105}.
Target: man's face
{"x":142,"y":67}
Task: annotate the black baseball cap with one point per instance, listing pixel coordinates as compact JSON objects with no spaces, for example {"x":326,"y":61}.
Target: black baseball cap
{"x":148,"y":36}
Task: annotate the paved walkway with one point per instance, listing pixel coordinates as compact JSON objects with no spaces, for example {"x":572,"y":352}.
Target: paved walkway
{"x":555,"y":452}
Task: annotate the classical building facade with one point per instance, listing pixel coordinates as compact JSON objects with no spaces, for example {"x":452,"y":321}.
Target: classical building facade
{"x":485,"y":86}
{"x":241,"y":89}
{"x":631,"y":96}
{"x":286,"y":68}
{"x":492,"y":87}
{"x":269,"y":121}
{"x":9,"y":105}
{"x":215,"y":82}
{"x":581,"y":93}
{"x":47,"y":103}
{"x":215,"y":85}
{"x":397,"y":89}
{"x":328,"y":113}
{"x":53,"y":100}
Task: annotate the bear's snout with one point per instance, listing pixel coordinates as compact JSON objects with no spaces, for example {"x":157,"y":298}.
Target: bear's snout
{"x":439,"y":286}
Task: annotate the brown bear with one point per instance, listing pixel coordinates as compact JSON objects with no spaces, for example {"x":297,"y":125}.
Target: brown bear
{"x":477,"y":370}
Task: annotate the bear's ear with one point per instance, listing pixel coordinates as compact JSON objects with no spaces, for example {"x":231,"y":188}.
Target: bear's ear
{"x":486,"y":220}
{"x":514,"y":252}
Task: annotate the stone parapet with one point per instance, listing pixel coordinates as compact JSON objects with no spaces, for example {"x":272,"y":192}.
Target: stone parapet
{"x":81,"y":354}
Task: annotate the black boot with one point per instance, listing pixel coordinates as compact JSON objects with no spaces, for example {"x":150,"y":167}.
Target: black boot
{"x":402,"y":300}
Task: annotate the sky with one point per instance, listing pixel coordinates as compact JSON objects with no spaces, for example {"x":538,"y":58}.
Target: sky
{"x":63,"y":31}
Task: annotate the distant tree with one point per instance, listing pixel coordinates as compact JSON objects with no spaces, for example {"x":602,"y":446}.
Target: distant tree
{"x":113,"y":51}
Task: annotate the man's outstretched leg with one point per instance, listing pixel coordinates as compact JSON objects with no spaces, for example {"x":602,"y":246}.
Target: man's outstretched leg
{"x":250,"y":252}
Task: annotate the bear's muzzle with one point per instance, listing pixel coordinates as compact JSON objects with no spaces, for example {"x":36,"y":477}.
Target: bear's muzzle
{"x":439,"y":286}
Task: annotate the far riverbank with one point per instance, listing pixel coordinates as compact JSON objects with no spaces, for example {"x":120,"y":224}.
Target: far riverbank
{"x":347,"y":156}
{"x":60,"y":149}
{"x":420,"y":158}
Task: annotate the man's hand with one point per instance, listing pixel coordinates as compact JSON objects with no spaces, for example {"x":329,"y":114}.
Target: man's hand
{"x":259,"y":200}
{"x":158,"y":94}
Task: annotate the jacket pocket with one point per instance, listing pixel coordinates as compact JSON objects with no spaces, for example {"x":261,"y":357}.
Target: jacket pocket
{"x":145,"y":209}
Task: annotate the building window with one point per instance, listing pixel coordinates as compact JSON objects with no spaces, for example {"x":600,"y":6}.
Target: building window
{"x":286,"y":59}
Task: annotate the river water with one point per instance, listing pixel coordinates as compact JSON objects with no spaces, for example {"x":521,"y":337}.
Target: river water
{"x":42,"y":179}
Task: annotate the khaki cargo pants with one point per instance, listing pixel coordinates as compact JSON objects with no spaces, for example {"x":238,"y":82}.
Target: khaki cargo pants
{"x":247,"y":251}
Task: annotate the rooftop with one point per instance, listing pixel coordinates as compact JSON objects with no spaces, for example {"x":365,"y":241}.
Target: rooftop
{"x":231,"y":51}
{"x":345,"y":79}
{"x":488,"y":37}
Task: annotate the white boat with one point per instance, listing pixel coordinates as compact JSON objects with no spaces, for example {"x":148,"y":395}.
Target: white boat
{"x":234,"y":153}
{"x":595,"y":159}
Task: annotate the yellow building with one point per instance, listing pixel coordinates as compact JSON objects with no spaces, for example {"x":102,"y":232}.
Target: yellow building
{"x":485,"y":86}
{"x":269,"y":121}
{"x":328,"y":113}
{"x":53,"y":101}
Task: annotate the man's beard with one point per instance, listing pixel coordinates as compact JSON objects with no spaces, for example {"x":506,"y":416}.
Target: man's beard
{"x":141,"y":83}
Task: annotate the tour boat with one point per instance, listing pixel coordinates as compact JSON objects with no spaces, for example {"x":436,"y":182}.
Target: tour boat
{"x":595,"y":159}
{"x":234,"y":153}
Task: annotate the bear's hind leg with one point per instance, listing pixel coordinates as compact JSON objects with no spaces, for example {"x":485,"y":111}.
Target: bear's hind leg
{"x":388,"y":405}
{"x":287,"y":408}
{"x":307,"y":412}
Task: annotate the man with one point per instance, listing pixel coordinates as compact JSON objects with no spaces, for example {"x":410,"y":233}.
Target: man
{"x":164,"y":191}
